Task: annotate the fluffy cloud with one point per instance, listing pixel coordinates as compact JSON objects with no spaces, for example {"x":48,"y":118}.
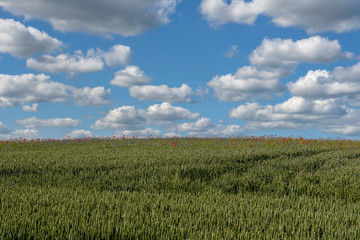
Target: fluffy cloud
{"x":163,"y":93}
{"x":248,"y":83}
{"x":26,"y":133}
{"x":296,"y":112}
{"x":33,"y":122}
{"x":311,"y":15}
{"x":167,"y":112}
{"x":22,"y":42}
{"x":342,"y":82}
{"x":314,"y":15}
{"x":122,"y":118}
{"x":200,"y":125}
{"x":80,"y":134}
{"x":33,"y":108}
{"x":19,"y":89}
{"x":90,"y":96}
{"x":285,"y":52}
{"x":119,"y":17}
{"x":130,"y":76}
{"x":118,"y":55}
{"x":130,"y":118}
{"x":142,"y":133}
{"x":66,"y":63}
{"x":348,"y":130}
{"x":218,"y":12}
{"x":204,"y":128}
{"x":3,"y":128}
{"x":93,"y":61}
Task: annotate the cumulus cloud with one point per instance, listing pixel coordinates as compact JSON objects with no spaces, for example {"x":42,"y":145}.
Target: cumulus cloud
{"x":286,"y":52}
{"x":200,"y":125}
{"x":80,"y":133}
{"x":19,"y":89}
{"x":119,"y":17}
{"x":218,"y":12}
{"x":130,"y":76}
{"x":297,"y":112}
{"x":66,"y":63}
{"x":90,"y":96}
{"x":23,"y":133}
{"x":22,"y":42}
{"x":33,"y":108}
{"x":248,"y":83}
{"x":78,"y":63}
{"x":4,"y":128}
{"x":142,"y":133}
{"x":118,"y":55}
{"x":167,"y":112}
{"x":122,"y":118}
{"x":163,"y":93}
{"x":315,"y":15}
{"x":130,"y":118}
{"x":341,"y":82}
{"x":26,"y":134}
{"x":204,"y":128}
{"x":33,"y":122}
{"x":311,"y":15}
{"x":348,"y":130}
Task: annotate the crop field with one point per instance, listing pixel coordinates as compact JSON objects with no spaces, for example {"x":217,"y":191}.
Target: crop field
{"x":180,"y":188}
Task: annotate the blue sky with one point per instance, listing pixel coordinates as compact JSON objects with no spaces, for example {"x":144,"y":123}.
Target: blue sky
{"x":179,"y":68}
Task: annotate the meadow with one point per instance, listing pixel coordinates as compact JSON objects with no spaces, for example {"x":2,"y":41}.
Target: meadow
{"x":180,"y":188}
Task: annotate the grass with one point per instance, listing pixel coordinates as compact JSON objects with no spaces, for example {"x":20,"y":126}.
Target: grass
{"x":180,"y":188}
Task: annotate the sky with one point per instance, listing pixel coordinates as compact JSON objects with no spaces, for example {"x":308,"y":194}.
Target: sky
{"x":165,"y":68}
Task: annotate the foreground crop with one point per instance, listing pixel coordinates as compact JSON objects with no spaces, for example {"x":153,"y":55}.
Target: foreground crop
{"x":213,"y":188}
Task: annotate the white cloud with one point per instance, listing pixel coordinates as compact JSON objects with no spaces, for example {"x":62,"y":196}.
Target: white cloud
{"x":119,"y":17}
{"x":78,"y":62}
{"x":130,"y":118}
{"x":90,"y":96}
{"x":33,"y":108}
{"x":296,"y":112}
{"x":4,"y":128}
{"x":19,"y":89}
{"x":218,"y":12}
{"x":311,"y":15}
{"x":285,"y":52}
{"x":342,"y":82}
{"x":130,"y":76}
{"x":200,"y":125}
{"x":118,"y":55}
{"x":163,"y":93}
{"x":122,"y":118}
{"x":348,"y":130}
{"x":80,"y":133}
{"x":167,"y":112}
{"x":171,"y":135}
{"x":66,"y":63}
{"x":232,"y":51}
{"x":204,"y":128}
{"x":22,"y":42}
{"x":350,"y":124}
{"x":248,"y":83}
{"x":33,"y":122}
{"x":142,"y":133}
{"x":315,"y":15}
{"x":25,"y":134}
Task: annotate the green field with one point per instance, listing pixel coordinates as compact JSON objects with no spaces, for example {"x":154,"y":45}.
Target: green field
{"x":180,"y":188}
